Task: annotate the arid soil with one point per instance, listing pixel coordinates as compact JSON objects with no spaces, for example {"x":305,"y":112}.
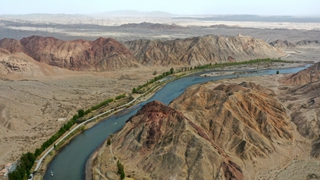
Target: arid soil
{"x":34,"y":108}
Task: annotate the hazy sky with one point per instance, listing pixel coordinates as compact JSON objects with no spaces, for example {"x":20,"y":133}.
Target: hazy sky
{"x":260,"y":7}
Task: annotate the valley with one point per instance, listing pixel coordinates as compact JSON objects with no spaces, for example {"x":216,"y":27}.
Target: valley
{"x":50,"y":70}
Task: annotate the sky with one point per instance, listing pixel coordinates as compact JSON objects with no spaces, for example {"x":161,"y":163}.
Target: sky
{"x":183,"y":7}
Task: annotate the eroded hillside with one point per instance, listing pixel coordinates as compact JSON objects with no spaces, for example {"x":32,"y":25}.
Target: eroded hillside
{"x":209,"y":132}
{"x":201,"y":50}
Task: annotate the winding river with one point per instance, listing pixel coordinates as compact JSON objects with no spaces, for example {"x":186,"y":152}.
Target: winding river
{"x":70,"y":163}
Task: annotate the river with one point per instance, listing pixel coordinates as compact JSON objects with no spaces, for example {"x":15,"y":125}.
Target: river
{"x":70,"y":163}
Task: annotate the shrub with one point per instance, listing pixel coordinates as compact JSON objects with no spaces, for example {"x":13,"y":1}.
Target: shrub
{"x":120,"y":96}
{"x":121,"y":170}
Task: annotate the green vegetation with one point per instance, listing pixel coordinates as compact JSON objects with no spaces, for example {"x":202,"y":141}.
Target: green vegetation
{"x":26,"y":161}
{"x":221,"y":65}
{"x":171,"y":71}
{"x":106,"y":102}
{"x":140,"y":90}
{"x":109,"y":141}
{"x":121,"y":170}
{"x":121,"y":96}
{"x":277,"y":72}
{"x":23,"y":169}
{"x":80,"y":113}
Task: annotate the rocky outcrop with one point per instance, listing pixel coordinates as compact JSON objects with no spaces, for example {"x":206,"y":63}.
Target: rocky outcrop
{"x":244,"y":119}
{"x":305,"y":108}
{"x":161,"y":143}
{"x":282,"y":44}
{"x":309,"y":75}
{"x":99,"y":55}
{"x":201,"y":50}
{"x":303,"y":100}
{"x":206,"y":133}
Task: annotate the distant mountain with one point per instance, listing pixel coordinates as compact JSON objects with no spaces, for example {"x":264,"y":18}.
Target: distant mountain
{"x":132,"y":13}
{"x":254,"y":18}
{"x":200,"y":50}
{"x":152,"y":26}
{"x":282,"y":44}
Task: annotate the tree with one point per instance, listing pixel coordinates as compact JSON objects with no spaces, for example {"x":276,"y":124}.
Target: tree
{"x":121,"y":170}
{"x":81,"y":113}
{"x":171,"y":71}
{"x":37,"y":152}
{"x":134,"y":90}
{"x":277,"y":72}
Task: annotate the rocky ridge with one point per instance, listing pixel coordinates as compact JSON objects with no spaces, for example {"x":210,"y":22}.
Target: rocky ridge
{"x":309,"y":75}
{"x":99,"y":55}
{"x":282,"y":44}
{"x":201,"y":50}
{"x":206,"y":133}
{"x":105,"y":54}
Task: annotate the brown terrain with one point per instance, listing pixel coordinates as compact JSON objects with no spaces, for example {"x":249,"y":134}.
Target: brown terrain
{"x":282,"y":44}
{"x":306,"y":76}
{"x":201,"y":50}
{"x":37,"y":98}
{"x":107,"y":54}
{"x":264,"y":133}
{"x":99,"y":55}
{"x":276,"y":131}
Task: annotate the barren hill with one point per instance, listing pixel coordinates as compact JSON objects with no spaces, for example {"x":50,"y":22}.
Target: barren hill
{"x":100,"y":55}
{"x":12,"y":45}
{"x":206,"y":133}
{"x":282,"y":44}
{"x":20,"y":66}
{"x":311,"y":74}
{"x":201,"y":50}
{"x":307,"y":42}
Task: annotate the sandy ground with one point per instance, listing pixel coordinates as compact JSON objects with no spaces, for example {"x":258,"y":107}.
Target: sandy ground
{"x":34,"y":109}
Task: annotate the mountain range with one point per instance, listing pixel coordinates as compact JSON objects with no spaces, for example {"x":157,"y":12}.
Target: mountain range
{"x":107,"y":54}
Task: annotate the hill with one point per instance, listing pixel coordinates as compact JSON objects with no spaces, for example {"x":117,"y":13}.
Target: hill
{"x":99,"y":55}
{"x":206,"y":133}
{"x":200,"y":50}
{"x":309,"y":75}
{"x":282,"y":44}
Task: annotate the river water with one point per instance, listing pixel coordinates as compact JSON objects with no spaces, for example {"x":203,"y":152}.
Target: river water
{"x":70,"y":163}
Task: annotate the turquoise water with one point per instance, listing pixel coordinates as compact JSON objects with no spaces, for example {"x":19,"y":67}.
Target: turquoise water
{"x":70,"y":163}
